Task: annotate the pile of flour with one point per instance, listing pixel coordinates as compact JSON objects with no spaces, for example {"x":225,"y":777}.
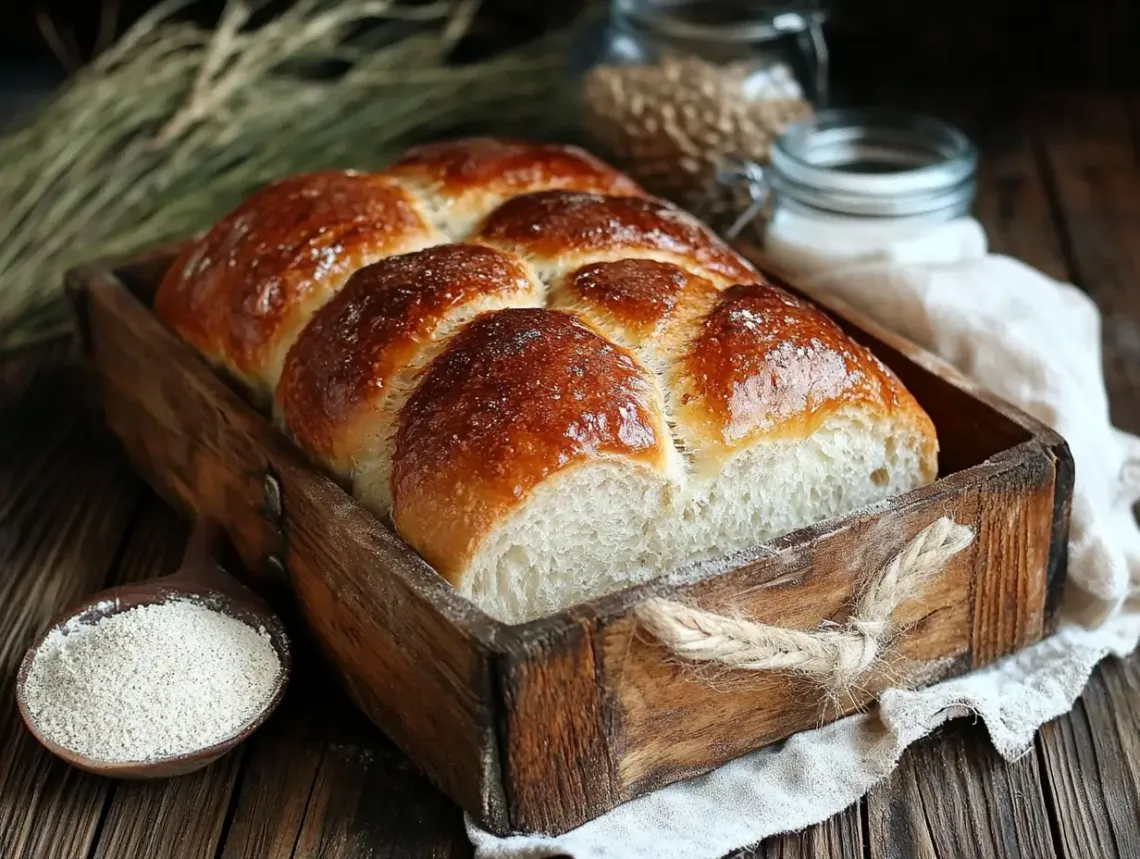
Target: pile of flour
{"x":150,"y":682}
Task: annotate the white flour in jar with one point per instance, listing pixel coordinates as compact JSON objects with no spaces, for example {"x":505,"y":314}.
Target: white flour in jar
{"x":150,"y":682}
{"x":807,"y":244}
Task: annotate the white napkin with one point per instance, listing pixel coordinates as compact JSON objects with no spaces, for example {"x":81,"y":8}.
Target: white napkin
{"x":1035,"y":342}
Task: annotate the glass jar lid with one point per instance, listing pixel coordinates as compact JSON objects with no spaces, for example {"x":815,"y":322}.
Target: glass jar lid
{"x":875,"y":163}
{"x":724,"y":20}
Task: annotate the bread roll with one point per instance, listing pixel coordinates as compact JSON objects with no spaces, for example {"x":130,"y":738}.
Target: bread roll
{"x":242,"y":293}
{"x":354,"y":366}
{"x":553,"y":384}
{"x":533,"y":455}
{"x":460,"y":181}
{"x":559,"y":231}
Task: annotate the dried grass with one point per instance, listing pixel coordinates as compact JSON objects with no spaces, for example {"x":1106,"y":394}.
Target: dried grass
{"x":172,"y":125}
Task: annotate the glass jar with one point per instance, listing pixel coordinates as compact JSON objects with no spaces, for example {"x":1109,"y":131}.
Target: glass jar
{"x":859,"y":185}
{"x":667,"y":87}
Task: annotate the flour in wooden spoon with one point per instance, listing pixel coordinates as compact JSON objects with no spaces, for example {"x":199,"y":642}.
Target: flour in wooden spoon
{"x":150,"y":682}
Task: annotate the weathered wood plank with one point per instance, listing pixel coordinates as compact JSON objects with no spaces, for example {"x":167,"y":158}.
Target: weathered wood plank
{"x":1092,"y":759}
{"x":47,"y":808}
{"x":838,"y":837}
{"x":952,"y":795}
{"x":320,"y":781}
{"x":1115,"y":715}
{"x":281,"y":763}
{"x":154,"y":545}
{"x":1010,"y":601}
{"x":19,"y":371}
{"x":1089,"y":149}
{"x":64,"y":508}
{"x":178,"y":818}
{"x":369,"y":800}
{"x":549,"y":746}
{"x":1077,"y":796}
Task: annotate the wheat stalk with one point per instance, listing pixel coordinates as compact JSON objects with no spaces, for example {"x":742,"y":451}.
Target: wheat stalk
{"x":172,"y":125}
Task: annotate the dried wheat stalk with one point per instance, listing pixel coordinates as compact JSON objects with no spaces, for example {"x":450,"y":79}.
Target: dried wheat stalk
{"x":173,"y":124}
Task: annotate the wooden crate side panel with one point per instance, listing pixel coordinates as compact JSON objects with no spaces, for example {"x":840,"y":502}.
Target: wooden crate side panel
{"x":676,"y":720}
{"x":403,"y":663}
{"x":558,"y":771}
{"x":189,"y":442}
{"x":1014,"y":538}
{"x":1059,"y":545}
{"x":673,"y":721}
{"x":419,"y":676}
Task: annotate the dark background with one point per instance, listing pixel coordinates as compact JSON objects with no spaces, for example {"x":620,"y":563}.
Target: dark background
{"x":1006,"y":44}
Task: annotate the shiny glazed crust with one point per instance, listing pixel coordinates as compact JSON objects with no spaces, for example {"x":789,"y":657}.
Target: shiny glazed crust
{"x":509,"y":167}
{"x":243,"y":292}
{"x":461,"y":181}
{"x":764,"y":362}
{"x":575,"y":227}
{"x":347,"y":359}
{"x":517,"y":396}
{"x":580,"y":322}
{"x":640,"y":302}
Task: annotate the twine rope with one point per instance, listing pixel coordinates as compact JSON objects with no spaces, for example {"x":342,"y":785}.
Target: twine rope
{"x":834,"y":657}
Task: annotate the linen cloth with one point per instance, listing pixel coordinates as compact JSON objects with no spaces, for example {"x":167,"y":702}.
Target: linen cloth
{"x":1035,"y":342}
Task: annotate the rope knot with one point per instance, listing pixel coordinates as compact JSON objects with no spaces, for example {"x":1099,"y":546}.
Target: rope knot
{"x":834,"y":658}
{"x":873,"y":630}
{"x":854,"y":658}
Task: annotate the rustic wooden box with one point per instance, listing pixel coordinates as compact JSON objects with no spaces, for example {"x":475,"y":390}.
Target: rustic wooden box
{"x":544,"y":725}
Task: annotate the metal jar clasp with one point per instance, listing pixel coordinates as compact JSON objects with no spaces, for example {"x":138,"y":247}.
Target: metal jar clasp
{"x":735,"y":171}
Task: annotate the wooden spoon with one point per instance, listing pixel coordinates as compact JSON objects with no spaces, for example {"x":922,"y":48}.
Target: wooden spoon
{"x":201,"y":579}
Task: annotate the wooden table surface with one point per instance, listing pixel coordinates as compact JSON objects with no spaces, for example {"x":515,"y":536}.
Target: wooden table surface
{"x":1059,"y":187}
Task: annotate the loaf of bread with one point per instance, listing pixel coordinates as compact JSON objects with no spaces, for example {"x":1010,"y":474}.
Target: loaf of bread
{"x":553,"y":384}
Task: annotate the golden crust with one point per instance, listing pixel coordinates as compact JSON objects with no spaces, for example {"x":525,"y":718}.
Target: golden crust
{"x":502,"y":395}
{"x":635,"y":300}
{"x":767,"y":363}
{"x":515,"y":397}
{"x":506,"y":167}
{"x":257,"y":275}
{"x":552,"y":224}
{"x":346,"y":359}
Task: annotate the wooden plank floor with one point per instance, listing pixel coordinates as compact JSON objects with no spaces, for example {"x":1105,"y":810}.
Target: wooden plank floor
{"x":1059,"y":187}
